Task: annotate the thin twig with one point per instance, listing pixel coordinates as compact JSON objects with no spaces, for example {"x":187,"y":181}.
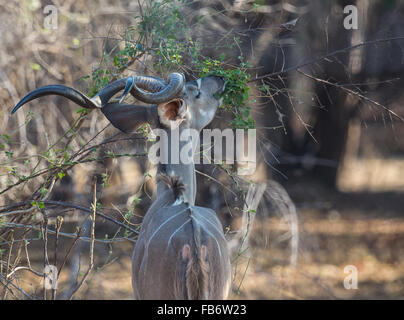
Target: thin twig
{"x":325,"y":57}
{"x":67,"y":205}
{"x":44,"y":230}
{"x":75,"y":241}
{"x":349,"y":91}
{"x":91,"y":264}
{"x":39,"y":274}
{"x":63,"y":234}
{"x":59,"y":222}
{"x":8,"y":259}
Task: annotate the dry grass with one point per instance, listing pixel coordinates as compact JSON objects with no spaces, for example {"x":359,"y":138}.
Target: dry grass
{"x":330,"y":240}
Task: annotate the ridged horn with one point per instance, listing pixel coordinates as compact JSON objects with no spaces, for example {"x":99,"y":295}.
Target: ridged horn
{"x":149,"y":83}
{"x":170,"y":91}
{"x":158,"y":91}
{"x":59,"y":90}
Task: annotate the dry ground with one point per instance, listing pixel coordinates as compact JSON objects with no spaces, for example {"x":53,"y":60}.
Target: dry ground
{"x":364,"y":230}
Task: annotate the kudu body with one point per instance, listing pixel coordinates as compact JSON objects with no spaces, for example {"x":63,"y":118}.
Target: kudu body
{"x":181,"y":252}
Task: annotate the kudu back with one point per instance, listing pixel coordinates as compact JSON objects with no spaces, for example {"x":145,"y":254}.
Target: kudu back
{"x":181,"y":252}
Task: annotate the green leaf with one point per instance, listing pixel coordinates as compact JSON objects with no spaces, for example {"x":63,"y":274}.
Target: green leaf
{"x":35,"y":66}
{"x":84,"y":78}
{"x":9,"y":154}
{"x":76,"y":42}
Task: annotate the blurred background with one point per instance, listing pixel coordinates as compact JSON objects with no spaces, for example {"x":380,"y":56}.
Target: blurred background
{"x":327,"y":105}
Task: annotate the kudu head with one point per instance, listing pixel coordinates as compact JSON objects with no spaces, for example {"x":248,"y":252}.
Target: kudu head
{"x":190,"y":104}
{"x":171,"y":105}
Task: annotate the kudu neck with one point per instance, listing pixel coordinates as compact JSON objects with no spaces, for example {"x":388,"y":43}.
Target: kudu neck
{"x":178,"y":152}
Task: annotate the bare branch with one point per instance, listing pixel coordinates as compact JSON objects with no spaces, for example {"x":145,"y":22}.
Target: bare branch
{"x":325,"y":57}
{"x":91,"y":263}
{"x":349,"y":91}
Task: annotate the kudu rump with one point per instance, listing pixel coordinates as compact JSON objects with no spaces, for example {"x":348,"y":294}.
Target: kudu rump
{"x":181,"y":252}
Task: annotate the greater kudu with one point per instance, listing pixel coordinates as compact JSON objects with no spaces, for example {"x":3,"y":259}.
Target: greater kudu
{"x":181,"y":252}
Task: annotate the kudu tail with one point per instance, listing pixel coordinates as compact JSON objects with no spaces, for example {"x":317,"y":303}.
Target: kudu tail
{"x":196,"y":272}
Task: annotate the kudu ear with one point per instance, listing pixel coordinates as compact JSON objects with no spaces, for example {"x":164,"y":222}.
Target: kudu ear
{"x":129,"y":117}
{"x":172,"y":113}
